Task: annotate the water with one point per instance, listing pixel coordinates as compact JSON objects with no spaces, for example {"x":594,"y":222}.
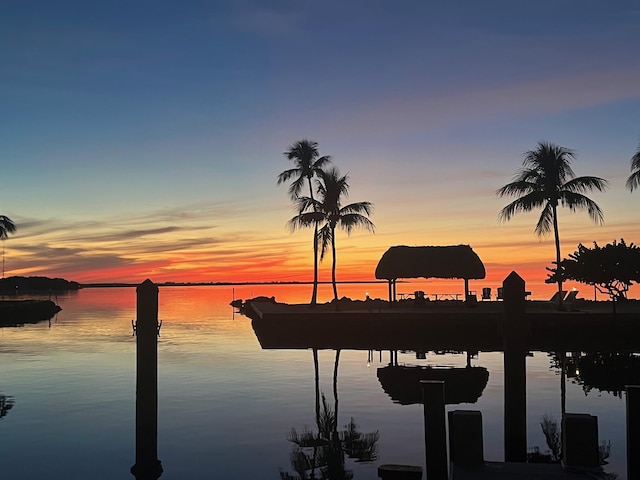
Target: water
{"x":226,"y":406}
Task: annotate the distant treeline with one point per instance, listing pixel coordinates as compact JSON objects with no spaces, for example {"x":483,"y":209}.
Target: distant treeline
{"x":225,"y":284}
{"x":36,"y":284}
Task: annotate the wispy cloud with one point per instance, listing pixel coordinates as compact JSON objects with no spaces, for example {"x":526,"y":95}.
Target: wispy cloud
{"x":421,"y":110}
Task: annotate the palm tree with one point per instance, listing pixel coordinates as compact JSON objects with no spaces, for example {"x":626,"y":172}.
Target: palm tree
{"x":308,"y":164}
{"x":328,"y":208}
{"x":6,"y":227}
{"x":634,"y":179}
{"x":546,"y":181}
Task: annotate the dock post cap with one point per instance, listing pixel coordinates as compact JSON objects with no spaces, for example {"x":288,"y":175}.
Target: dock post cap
{"x":147,"y":285}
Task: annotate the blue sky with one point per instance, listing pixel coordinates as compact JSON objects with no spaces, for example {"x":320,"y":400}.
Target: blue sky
{"x":139,"y":126}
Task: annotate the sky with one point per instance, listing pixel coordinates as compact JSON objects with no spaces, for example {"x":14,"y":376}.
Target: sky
{"x":144,"y":139}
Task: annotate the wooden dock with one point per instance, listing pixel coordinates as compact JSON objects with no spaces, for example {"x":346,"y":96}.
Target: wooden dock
{"x":523,"y":471}
{"x":446,"y":325}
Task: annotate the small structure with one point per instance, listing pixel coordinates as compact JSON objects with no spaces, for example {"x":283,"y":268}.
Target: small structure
{"x":452,"y":261}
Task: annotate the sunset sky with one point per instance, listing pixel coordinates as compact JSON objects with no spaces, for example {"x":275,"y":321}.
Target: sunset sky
{"x":143,"y":139}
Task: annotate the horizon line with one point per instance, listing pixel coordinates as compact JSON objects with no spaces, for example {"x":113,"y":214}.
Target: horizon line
{"x":216,"y":284}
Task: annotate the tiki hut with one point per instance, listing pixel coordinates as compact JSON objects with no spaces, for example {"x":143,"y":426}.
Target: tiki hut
{"x":454,"y":261}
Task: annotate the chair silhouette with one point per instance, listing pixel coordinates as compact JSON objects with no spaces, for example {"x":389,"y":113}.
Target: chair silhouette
{"x":486,"y":293}
{"x":499,"y":295}
{"x":572,"y":296}
{"x":554,"y":299}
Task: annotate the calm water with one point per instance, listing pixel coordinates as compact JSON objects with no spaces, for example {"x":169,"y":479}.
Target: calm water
{"x":225,"y":405}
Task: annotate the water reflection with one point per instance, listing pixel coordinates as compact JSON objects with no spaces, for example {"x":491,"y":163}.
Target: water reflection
{"x":604,"y":371}
{"x":6,"y":404}
{"x":320,"y":453}
{"x":462,"y":385}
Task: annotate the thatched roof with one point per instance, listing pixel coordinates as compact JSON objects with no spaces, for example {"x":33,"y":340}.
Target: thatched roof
{"x":454,"y":261}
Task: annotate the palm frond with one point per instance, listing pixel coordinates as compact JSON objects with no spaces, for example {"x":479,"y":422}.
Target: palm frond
{"x":634,"y":179}
{"x":302,"y":150}
{"x":354,"y":220}
{"x":545,"y":221}
{"x":322,"y":162}
{"x":6,"y":226}
{"x":305,"y":204}
{"x":296,"y":187}
{"x":332,"y":186}
{"x":526,"y":203}
{"x":577,"y":201}
{"x":304,"y":220}
{"x":551,"y":160}
{"x":585,"y":184}
{"x":364,"y":208}
{"x":518,"y":187}
{"x":325,"y":237}
{"x":287,"y":174}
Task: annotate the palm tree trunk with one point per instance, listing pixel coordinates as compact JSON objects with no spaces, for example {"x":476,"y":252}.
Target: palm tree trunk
{"x":314,"y":294}
{"x":333,"y":265}
{"x":558,"y":258}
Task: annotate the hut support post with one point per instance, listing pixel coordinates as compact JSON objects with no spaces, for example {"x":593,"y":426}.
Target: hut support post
{"x":515,"y":384}
{"x":147,"y":466}
{"x":435,"y":431}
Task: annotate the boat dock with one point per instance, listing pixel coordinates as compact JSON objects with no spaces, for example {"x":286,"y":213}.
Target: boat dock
{"x":442,"y":325}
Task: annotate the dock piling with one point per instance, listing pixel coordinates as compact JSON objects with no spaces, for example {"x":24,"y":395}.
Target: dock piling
{"x":147,"y":466}
{"x":580,"y":440}
{"x":465,"y":438}
{"x":514,"y":332}
{"x":435,"y":430}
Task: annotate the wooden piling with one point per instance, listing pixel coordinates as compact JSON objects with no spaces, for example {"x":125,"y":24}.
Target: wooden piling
{"x":435,"y":430}
{"x":147,"y":466}
{"x":580,"y":440}
{"x":465,"y":438}
{"x":515,"y":386}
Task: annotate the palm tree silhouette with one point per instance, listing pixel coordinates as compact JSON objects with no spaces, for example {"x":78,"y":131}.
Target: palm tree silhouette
{"x":546,"y":181}
{"x":308,"y":164}
{"x":328,"y":208}
{"x":6,"y":227}
{"x":634,"y":179}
